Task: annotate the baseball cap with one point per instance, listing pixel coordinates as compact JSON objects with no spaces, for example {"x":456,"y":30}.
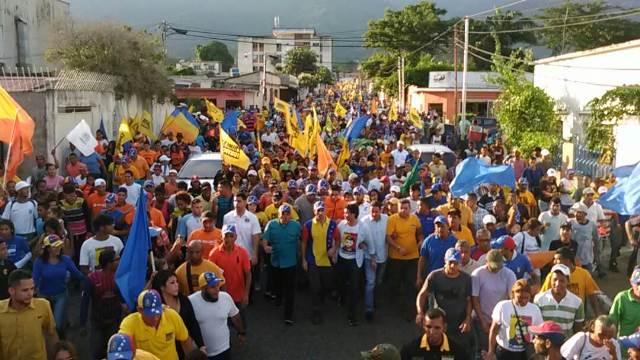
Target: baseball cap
{"x":208,"y":278}
{"x":579,"y":207}
{"x":353,"y":176}
{"x":494,"y":259}
{"x":252,"y":199}
{"x":150,"y":302}
{"x":635,"y":276}
{"x":292,"y":184}
{"x":452,"y":255}
{"x":164,"y":158}
{"x":100,"y":182}
{"x":436,"y":187}
{"x":551,"y":172}
{"x":588,"y":190}
{"x":570,"y":172}
{"x":120,"y":347}
{"x":545,"y":152}
{"x":195,"y":178}
{"x":318,"y":205}
{"x":395,"y":188}
{"x":252,"y":173}
{"x":566,"y":224}
{"x":564,"y":269}
{"x":111,"y":198}
{"x":310,"y":189}
{"x":284,"y":208}
{"x":549,"y":330}
{"x":52,"y":240}
{"x":228,"y":229}
{"x":602,"y":190}
{"x":523,"y":181}
{"x":504,"y":242}
{"x":278,"y":195}
{"x":394,"y":200}
{"x":631,"y":341}
{"x":440,"y":219}
{"x":173,"y":171}
{"x":323,"y":184}
{"x":133,"y":152}
{"x":21,"y":185}
{"x":312,"y":166}
{"x":488,"y":219}
{"x":360,"y":190}
{"x":266,"y":160}
{"x":381,"y":352}
{"x":149,"y":183}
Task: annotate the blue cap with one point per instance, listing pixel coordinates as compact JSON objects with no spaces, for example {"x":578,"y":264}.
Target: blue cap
{"x":284,"y":208}
{"x":436,"y":187}
{"x":150,"y":302}
{"x":504,"y":242}
{"x":452,"y":255}
{"x":149,"y":183}
{"x":120,"y":347}
{"x":123,"y":189}
{"x":292,"y":184}
{"x":228,"y":229}
{"x":252,"y":199}
{"x":360,"y":190}
{"x":111,"y":198}
{"x":318,"y":205}
{"x":208,"y":278}
{"x":523,"y":181}
{"x":133,"y":152}
{"x":323,"y":184}
{"x":440,"y":219}
{"x":310,"y":189}
{"x":631,"y":341}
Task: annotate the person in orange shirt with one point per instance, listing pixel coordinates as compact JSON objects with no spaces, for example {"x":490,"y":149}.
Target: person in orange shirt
{"x":125,"y":164}
{"x":97,"y":199}
{"x":208,"y":234}
{"x":122,"y":205}
{"x":335,"y":204}
{"x":155,"y":218}
{"x":139,"y":163}
{"x":171,"y":185}
{"x":148,"y":154}
{"x":74,"y":166}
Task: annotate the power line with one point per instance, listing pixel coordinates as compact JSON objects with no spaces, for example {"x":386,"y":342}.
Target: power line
{"x":497,"y":8}
{"x":537,"y":19}
{"x":261,"y":42}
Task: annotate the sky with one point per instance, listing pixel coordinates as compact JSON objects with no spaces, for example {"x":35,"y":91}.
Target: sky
{"x":339,"y":18}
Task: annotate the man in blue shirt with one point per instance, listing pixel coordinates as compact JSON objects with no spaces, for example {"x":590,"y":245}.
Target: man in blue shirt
{"x":433,"y":249}
{"x":280,"y":239}
{"x":518,"y":263}
{"x":426,"y":217}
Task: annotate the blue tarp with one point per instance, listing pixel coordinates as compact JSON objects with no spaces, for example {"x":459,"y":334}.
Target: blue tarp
{"x":623,"y":171}
{"x":624,"y":195}
{"x":472,"y":172}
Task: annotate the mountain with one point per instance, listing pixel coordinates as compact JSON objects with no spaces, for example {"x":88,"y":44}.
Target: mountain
{"x":338,"y":18}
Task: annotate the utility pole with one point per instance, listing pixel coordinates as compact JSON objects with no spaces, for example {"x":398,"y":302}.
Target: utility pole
{"x":400,"y":84}
{"x":163,"y":34}
{"x":465,"y":63}
{"x":263,"y":81}
{"x":455,"y":73}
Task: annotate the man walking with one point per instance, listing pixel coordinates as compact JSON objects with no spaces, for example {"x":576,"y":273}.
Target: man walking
{"x":559,"y":304}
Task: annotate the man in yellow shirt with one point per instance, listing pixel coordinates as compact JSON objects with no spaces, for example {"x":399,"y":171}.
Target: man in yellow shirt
{"x":156,"y":328}
{"x":122,"y":347}
{"x":404,"y":237}
{"x":266,"y":168}
{"x":460,"y":231}
{"x":27,"y":327}
{"x":190,"y":270}
{"x":466,"y":215}
{"x":271,"y":211}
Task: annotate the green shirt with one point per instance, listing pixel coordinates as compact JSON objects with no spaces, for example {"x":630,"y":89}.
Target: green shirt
{"x":625,"y":311}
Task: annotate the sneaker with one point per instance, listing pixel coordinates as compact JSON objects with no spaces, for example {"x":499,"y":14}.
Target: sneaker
{"x":369,"y":316}
{"x":352,"y":322}
{"x":288,"y":322}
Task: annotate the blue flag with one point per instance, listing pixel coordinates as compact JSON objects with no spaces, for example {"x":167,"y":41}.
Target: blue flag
{"x":623,"y":171}
{"x":132,"y":270}
{"x":354,"y":130}
{"x":299,"y":118}
{"x":104,"y":132}
{"x":624,"y":195}
{"x":230,"y":122}
{"x":472,"y":172}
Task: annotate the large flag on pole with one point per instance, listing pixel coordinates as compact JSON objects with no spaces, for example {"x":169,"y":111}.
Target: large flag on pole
{"x":624,"y":195}
{"x":472,"y":172}
{"x":182,"y":121}
{"x":214,"y":112}
{"x":103,"y":130}
{"x":232,"y":154}
{"x":339,"y":110}
{"x":132,"y":270}
{"x":412,"y":178}
{"x":230,"y":122}
{"x":415,"y":119}
{"x":124,"y":136}
{"x":15,"y":156}
{"x":325,"y":160}
{"x":11,"y":113}
{"x":354,"y":130}
{"x":82,"y":138}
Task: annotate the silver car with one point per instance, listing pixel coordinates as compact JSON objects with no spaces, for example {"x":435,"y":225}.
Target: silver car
{"x":205,"y":166}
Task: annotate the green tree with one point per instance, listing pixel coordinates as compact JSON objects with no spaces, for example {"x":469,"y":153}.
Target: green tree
{"x":323,"y":75}
{"x":524,"y":111}
{"x":215,"y":51}
{"x":136,"y":57}
{"x":300,"y":60}
{"x":586,"y":36}
{"x":401,"y":31}
{"x":307,"y":80}
{"x":184,"y":71}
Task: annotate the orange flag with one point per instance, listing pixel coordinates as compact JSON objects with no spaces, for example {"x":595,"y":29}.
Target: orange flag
{"x":325,"y":161}
{"x":12,"y":113}
{"x":15,"y":154}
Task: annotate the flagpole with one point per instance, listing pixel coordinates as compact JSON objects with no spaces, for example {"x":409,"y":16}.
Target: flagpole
{"x":6,"y":161}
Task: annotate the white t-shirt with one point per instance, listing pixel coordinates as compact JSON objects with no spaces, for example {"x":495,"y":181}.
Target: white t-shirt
{"x":22,"y":215}
{"x":269,"y":138}
{"x":399,"y":157}
{"x":552,"y":232}
{"x":133,"y":193}
{"x":530,"y":243}
{"x":580,"y":348}
{"x":247,"y":225}
{"x":509,"y":335}
{"x":212,"y":318}
{"x":91,"y":249}
{"x":350,"y":239}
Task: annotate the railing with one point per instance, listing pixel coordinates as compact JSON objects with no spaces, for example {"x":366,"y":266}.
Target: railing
{"x":587,"y":162}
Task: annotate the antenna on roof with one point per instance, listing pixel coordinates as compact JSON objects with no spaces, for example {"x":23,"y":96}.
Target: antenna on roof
{"x":276,"y":22}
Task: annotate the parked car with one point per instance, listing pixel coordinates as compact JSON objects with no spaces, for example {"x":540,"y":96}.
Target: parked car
{"x":427,"y":151}
{"x":204,"y":165}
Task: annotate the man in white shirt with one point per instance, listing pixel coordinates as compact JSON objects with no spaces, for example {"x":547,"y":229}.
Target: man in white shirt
{"x":22,"y":212}
{"x":247,"y":226}
{"x":551,"y":221}
{"x":595,"y":212}
{"x":363,"y":205}
{"x":92,"y":247}
{"x":193,"y":221}
{"x":133,"y":188}
{"x":399,"y":154}
{"x":376,"y":224}
{"x":213,"y":309}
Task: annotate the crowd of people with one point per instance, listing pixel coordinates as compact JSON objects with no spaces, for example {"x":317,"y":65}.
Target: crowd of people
{"x":497,"y":273}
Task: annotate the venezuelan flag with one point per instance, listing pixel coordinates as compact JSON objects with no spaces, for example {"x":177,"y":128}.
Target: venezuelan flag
{"x":181,"y":121}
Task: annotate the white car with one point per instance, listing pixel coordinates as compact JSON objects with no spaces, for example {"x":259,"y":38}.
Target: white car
{"x":427,"y":151}
{"x":205,"y":166}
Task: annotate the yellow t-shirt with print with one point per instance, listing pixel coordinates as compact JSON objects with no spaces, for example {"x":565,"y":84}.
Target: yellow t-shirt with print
{"x":160,"y":341}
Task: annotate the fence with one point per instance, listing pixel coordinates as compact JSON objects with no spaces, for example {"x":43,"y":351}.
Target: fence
{"x":587,"y":162}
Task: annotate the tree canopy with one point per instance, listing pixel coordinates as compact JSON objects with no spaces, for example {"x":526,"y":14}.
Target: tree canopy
{"x":136,"y":57}
{"x":215,"y":51}
{"x":300,"y":60}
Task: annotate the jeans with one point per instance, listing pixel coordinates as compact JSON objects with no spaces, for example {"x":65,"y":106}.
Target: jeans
{"x":99,"y":337}
{"x":349,"y":274}
{"x":321,"y":281}
{"x":225,"y":355}
{"x":284,"y":281}
{"x":59,"y":308}
{"x":372,"y":279}
{"x":402,"y":276}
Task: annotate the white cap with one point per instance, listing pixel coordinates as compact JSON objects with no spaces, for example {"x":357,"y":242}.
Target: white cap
{"x":588,"y":190}
{"x":353,"y":176}
{"x":579,"y":207}
{"x":488,"y":219}
{"x":100,"y":182}
{"x":551,"y":172}
{"x":173,"y":171}
{"x":395,"y":188}
{"x":252,"y":172}
{"x":400,"y":142}
{"x":562,"y":268}
{"x":602,"y":190}
{"x":545,"y":152}
{"x":21,"y":185}
{"x":164,"y":158}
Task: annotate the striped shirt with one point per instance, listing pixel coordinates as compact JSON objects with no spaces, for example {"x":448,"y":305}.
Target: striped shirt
{"x":565,"y":313}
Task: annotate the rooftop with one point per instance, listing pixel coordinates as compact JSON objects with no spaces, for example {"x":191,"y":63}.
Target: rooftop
{"x":601,"y":50}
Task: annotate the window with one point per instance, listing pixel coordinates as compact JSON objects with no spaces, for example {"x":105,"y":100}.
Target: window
{"x":278,"y":47}
{"x":73,"y":109}
{"x":255,"y":46}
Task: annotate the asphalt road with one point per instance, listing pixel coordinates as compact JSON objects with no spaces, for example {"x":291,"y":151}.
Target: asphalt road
{"x":269,"y":338}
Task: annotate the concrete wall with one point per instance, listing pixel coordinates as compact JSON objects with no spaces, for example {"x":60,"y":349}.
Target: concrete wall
{"x":36,"y":106}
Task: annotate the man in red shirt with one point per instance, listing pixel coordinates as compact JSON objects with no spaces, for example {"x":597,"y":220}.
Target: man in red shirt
{"x":234,"y":261}
{"x":97,"y":199}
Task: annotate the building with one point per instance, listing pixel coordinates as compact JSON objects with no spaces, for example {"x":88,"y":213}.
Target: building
{"x":573,"y":80}
{"x":441,"y":94}
{"x":252,"y":50}
{"x":24,"y":29}
{"x":200,"y":67}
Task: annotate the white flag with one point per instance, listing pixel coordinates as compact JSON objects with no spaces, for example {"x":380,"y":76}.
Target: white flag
{"x":82,"y":138}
